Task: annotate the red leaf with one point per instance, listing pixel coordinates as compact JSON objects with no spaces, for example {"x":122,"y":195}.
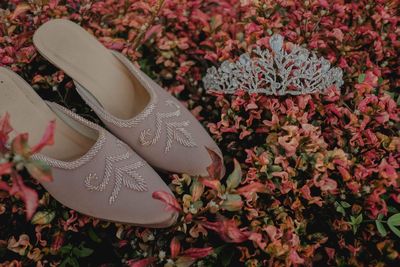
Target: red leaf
{"x":154,"y":29}
{"x":20,"y":145}
{"x":28,"y":195}
{"x":19,"y":10}
{"x":228,"y":230}
{"x":5,"y":168}
{"x":47,"y":138}
{"x":295,"y":258}
{"x":211,"y":183}
{"x":215,"y":169}
{"x":53,"y":4}
{"x":254,"y":187}
{"x":141,"y":263}
{"x":5,"y":129}
{"x":258,"y":239}
{"x":167,"y":198}
{"x":175,"y":247}
{"x":4,"y":186}
{"x":39,"y":170}
{"x":197,"y":253}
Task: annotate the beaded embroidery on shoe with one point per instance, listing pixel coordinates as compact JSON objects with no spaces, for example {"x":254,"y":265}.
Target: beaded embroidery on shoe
{"x":85,"y":158}
{"x":126,"y":175}
{"x":175,"y":130}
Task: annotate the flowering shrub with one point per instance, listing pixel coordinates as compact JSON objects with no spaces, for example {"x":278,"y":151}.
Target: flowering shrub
{"x":312,"y":179}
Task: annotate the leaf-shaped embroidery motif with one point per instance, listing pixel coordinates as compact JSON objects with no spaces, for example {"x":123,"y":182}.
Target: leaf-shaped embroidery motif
{"x":126,"y":175}
{"x":175,"y":130}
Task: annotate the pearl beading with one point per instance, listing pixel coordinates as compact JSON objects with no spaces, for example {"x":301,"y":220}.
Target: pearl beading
{"x":175,"y":130}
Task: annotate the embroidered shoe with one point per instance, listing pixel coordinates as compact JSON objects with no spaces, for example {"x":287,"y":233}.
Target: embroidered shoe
{"x":93,"y":172}
{"x":132,"y":106}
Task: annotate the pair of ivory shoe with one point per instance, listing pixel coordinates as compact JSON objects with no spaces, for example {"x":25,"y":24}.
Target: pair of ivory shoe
{"x":104,"y":175}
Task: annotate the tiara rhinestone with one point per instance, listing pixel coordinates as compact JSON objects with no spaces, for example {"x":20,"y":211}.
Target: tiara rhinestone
{"x":275,"y":72}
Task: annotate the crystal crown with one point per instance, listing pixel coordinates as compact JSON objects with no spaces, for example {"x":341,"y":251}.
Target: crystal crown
{"x":278,"y":72}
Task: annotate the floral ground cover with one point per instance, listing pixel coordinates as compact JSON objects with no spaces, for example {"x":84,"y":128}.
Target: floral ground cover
{"x":311,"y":180}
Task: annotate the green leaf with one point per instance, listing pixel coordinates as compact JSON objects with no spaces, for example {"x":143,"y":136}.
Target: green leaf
{"x":196,"y":189}
{"x":74,"y":262}
{"x":392,"y":209}
{"x":82,"y":252}
{"x":232,"y":202}
{"x":394,"y":221}
{"x":345,"y":204}
{"x":66,"y":249}
{"x":361,"y":78}
{"x":226,"y":256}
{"x":70,"y":261}
{"x":276,"y":168}
{"x":359,"y":219}
{"x":65,"y":262}
{"x":391,"y":94}
{"x":93,"y":236}
{"x":341,"y":210}
{"x":381,"y":228}
{"x":198,"y":204}
{"x":184,"y":261}
{"x":394,"y":230}
{"x":43,"y":217}
{"x":235,"y":177}
{"x":20,"y":146}
{"x":219,"y":249}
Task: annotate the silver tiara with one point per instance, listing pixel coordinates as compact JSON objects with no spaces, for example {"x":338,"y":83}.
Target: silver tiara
{"x":274,"y":73}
